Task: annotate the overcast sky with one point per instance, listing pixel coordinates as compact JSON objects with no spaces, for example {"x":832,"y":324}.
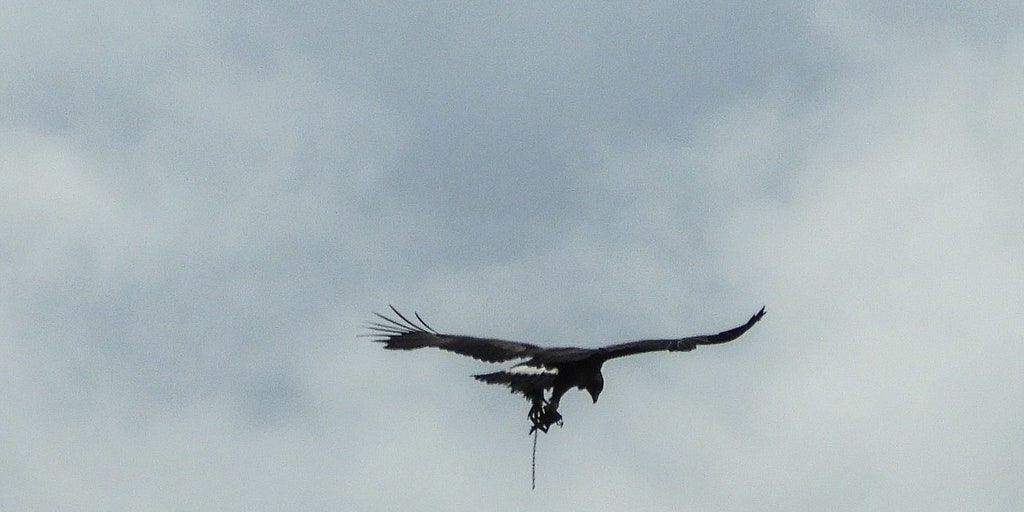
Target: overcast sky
{"x":203,"y":202}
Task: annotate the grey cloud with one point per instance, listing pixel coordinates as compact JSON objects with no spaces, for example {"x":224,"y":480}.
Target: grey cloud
{"x":204,"y":203}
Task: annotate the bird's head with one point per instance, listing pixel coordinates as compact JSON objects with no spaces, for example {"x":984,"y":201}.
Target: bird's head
{"x":595,"y":386}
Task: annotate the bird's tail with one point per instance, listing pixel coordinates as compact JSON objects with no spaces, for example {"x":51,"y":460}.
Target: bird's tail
{"x":501,"y":377}
{"x":525,"y":379}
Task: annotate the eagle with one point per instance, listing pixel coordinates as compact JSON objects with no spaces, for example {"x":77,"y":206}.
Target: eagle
{"x":557,"y":369}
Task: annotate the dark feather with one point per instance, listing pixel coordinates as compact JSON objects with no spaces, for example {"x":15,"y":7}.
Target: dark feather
{"x":402,"y":333}
{"x":678,"y":344}
{"x":528,"y":383}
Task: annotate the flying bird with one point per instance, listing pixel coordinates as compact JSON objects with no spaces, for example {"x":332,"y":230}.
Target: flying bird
{"x":556,"y":369}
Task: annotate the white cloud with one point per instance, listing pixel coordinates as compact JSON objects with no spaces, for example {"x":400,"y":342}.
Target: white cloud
{"x":890,"y":266}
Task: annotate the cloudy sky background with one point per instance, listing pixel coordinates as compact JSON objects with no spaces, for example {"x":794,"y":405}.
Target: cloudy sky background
{"x":204,"y":201}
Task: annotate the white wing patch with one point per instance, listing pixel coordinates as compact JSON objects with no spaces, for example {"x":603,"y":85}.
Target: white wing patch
{"x":525,"y":369}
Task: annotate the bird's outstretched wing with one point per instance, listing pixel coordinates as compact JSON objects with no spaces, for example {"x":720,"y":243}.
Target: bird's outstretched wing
{"x":678,"y":344}
{"x":401,"y":333}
